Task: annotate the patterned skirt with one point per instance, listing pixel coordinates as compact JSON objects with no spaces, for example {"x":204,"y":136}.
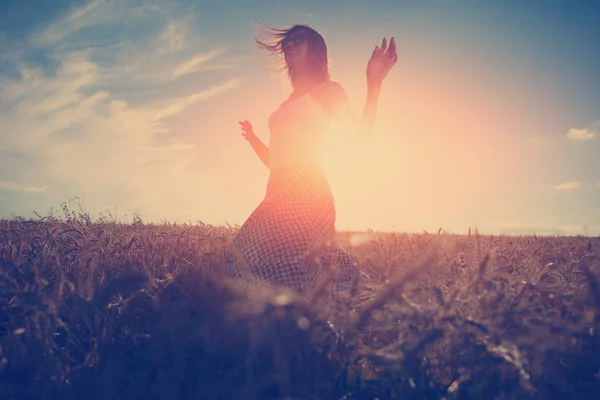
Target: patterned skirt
{"x":287,"y":239}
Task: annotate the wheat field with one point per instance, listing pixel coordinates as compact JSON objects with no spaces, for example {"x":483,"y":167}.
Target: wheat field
{"x":100,"y":309}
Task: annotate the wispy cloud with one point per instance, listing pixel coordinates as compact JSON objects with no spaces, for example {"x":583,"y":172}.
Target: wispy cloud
{"x":174,"y":51}
{"x":93,"y":117}
{"x":177,"y":106}
{"x":36,"y":93}
{"x":174,"y":36}
{"x":580,"y":134}
{"x":73,"y":20}
{"x":197,"y":63}
{"x":19,"y":187}
{"x":568,"y":186}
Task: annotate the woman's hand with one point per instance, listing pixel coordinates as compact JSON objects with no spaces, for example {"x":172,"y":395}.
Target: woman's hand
{"x":247,"y":131}
{"x":381,"y":62}
{"x":257,"y":145}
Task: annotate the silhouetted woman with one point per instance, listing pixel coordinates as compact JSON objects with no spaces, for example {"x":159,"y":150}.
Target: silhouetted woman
{"x":296,"y":219}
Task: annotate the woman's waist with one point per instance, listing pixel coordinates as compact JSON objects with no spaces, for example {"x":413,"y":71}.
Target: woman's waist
{"x":292,"y":171}
{"x":285,"y":156}
{"x":302,"y":179}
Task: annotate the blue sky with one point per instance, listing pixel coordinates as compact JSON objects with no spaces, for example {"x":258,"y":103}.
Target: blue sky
{"x":490,"y":119}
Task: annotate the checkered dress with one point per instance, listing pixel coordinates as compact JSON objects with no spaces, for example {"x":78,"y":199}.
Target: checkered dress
{"x":282,"y":242}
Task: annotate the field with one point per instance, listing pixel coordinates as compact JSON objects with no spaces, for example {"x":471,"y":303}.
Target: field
{"x":101,"y":310}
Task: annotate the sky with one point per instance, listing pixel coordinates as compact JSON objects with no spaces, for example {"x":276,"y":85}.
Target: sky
{"x":489,"y":120}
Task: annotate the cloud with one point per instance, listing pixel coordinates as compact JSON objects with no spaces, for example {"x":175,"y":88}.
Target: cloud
{"x":165,"y":49}
{"x":197,"y":63}
{"x":93,"y":118}
{"x":174,"y":51}
{"x":177,"y":106}
{"x":75,"y":19}
{"x":568,"y":186}
{"x":580,"y":134}
{"x":174,"y":36}
{"x":38,"y":93}
{"x":18,"y":187}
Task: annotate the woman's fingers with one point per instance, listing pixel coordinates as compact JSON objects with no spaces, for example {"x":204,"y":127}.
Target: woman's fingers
{"x":391,"y":53}
{"x":392,"y":50}
{"x":384,"y":49}
{"x":246,"y":127}
{"x":247,"y":132}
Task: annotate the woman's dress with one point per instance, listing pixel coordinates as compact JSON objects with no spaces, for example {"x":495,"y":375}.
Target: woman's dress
{"x":287,"y":239}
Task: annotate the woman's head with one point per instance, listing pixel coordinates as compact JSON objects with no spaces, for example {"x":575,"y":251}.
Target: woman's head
{"x":303,"y":50}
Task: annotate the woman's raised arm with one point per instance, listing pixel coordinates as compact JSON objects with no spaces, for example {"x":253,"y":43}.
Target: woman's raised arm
{"x":381,"y":62}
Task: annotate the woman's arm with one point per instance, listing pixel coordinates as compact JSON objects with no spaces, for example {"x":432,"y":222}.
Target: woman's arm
{"x":367,"y":120}
{"x":337,"y":102}
{"x":261,"y":150}
{"x":335,"y":99}
{"x":381,"y":62}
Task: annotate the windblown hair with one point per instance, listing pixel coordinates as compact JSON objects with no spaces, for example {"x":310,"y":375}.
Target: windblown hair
{"x":317,"y":50}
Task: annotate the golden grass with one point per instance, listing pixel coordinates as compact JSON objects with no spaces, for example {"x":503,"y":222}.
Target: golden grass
{"x":107,"y":310}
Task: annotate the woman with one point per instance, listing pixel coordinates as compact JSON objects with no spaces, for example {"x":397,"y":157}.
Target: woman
{"x":295,"y":222}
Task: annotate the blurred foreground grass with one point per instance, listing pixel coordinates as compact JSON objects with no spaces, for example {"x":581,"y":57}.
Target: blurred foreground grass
{"x":106,"y":310}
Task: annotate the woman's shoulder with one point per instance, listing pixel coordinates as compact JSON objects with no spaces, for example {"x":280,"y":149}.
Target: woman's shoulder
{"x":329,"y":95}
{"x":331,"y":89}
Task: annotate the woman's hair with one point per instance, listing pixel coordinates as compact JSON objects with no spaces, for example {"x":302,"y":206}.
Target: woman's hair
{"x":317,"y":50}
